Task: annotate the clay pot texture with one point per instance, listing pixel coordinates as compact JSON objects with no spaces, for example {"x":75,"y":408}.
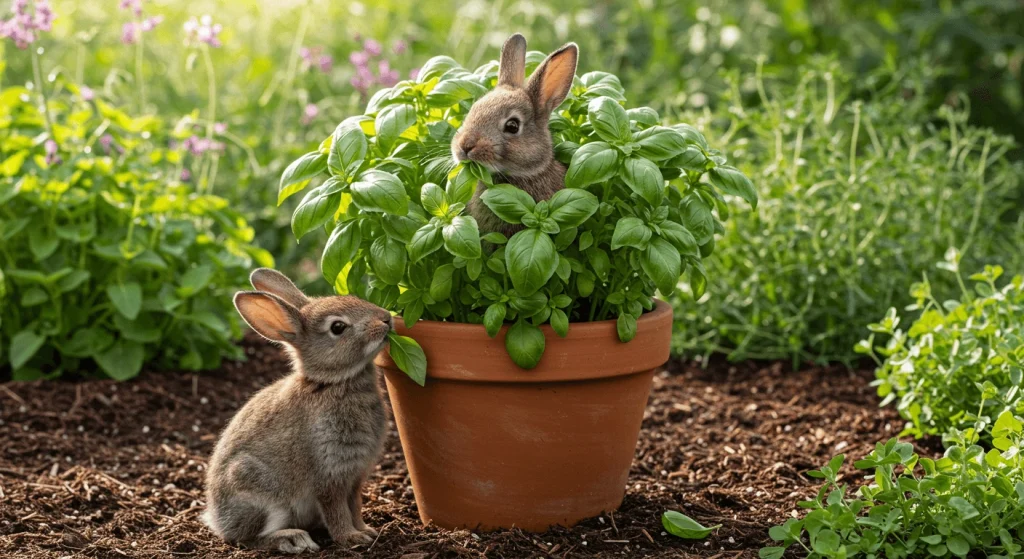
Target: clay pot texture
{"x":490,"y":445}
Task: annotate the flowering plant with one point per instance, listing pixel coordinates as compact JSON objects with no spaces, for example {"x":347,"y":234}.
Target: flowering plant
{"x":106,"y":256}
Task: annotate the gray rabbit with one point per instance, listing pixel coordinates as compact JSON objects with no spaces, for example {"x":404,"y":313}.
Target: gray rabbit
{"x":295,"y":456}
{"x":507,"y":129}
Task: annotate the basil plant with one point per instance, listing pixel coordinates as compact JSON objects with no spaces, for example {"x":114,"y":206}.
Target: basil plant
{"x":641,"y":206}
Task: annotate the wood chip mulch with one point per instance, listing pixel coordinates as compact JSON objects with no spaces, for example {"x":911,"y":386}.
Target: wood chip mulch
{"x":94,"y":468}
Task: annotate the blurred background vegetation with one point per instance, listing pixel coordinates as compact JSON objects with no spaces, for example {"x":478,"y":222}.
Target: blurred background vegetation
{"x":879,"y":133}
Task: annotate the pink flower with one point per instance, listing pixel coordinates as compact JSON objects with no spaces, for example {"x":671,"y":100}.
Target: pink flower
{"x":326,"y":63}
{"x":372,"y":47}
{"x":149,"y":23}
{"x":197,"y":145}
{"x":130,"y":33}
{"x":86,"y":93}
{"x":23,"y":26}
{"x":51,"y":153}
{"x":388,"y":76}
{"x":202,"y":30}
{"x":220,"y":127}
{"x":186,"y":175}
{"x":400,"y":47}
{"x":107,"y":141}
{"x":309,"y":113}
{"x":313,"y":56}
{"x":359,"y":58}
{"x":414,"y":73}
{"x":133,"y":5}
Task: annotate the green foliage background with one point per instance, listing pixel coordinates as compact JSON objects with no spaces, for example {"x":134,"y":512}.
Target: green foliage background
{"x":938,"y":81}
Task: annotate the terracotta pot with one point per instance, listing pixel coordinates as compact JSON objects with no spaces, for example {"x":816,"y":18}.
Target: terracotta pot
{"x":490,"y":445}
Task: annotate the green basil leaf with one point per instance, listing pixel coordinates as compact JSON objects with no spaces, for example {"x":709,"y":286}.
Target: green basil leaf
{"x":403,"y":227}
{"x":531,"y":259}
{"x":600,"y":262}
{"x":494,"y":317}
{"x":461,"y":187}
{"x":680,"y":238}
{"x":632,"y":232}
{"x":625,"y":325}
{"x":316,"y":208}
{"x":348,"y":149}
{"x":341,"y":249}
{"x":644,"y":178}
{"x":680,"y":525}
{"x":662,"y":263}
{"x":691,"y":159}
{"x":453,"y":91}
{"x":298,"y":174}
{"x":392,"y":121}
{"x":462,"y":237}
{"x":441,"y":282}
{"x":698,"y":219}
{"x":525,"y":344}
{"x":644,"y":116}
{"x":691,"y":135}
{"x":570,"y":207}
{"x":730,"y":180}
{"x":592,"y":163}
{"x":508,"y":202}
{"x":434,"y":200}
{"x":609,"y":119}
{"x":388,"y":259}
{"x":409,"y":356}
{"x":380,"y":191}
{"x":659,"y":143}
{"x":426,"y":240}
{"x":560,"y":322}
{"x":436,"y":67}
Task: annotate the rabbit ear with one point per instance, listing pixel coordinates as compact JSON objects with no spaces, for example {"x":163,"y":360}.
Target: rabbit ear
{"x":272,"y":281}
{"x":269,"y":315}
{"x":551,"y":82}
{"x":512,"y":69}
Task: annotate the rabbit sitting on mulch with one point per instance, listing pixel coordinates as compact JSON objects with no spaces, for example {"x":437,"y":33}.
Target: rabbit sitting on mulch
{"x":295,"y":456}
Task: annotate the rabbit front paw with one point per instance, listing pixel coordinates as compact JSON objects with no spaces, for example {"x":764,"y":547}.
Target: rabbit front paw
{"x":292,"y":541}
{"x":356,"y":537}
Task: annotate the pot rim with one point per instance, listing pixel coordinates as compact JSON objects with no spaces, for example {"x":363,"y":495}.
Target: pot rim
{"x":590,"y":350}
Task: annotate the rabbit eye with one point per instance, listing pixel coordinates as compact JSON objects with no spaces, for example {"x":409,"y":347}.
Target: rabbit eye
{"x":337,"y":327}
{"x":512,"y":126}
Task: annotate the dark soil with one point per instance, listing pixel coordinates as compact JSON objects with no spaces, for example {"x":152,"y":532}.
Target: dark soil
{"x":101,"y":469}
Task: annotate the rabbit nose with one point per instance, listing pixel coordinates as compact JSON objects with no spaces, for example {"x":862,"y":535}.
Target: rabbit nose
{"x":388,"y":321}
{"x":468,"y":144}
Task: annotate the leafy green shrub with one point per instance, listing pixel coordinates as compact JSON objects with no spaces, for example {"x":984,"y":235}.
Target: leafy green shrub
{"x":959,"y":362}
{"x":967,"y":502}
{"x":105,"y":255}
{"x":860,"y":198}
{"x":599,"y":248}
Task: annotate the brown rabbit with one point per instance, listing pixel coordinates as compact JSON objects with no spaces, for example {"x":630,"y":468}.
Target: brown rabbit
{"x":507,"y":129}
{"x":295,"y":456}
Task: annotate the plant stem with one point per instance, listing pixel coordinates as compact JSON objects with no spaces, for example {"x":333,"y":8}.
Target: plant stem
{"x":37,"y":74}
{"x":210,"y":171}
{"x":140,"y":81}
{"x":293,"y":64}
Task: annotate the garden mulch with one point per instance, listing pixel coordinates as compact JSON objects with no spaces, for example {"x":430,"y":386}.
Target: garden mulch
{"x":103,"y":469}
